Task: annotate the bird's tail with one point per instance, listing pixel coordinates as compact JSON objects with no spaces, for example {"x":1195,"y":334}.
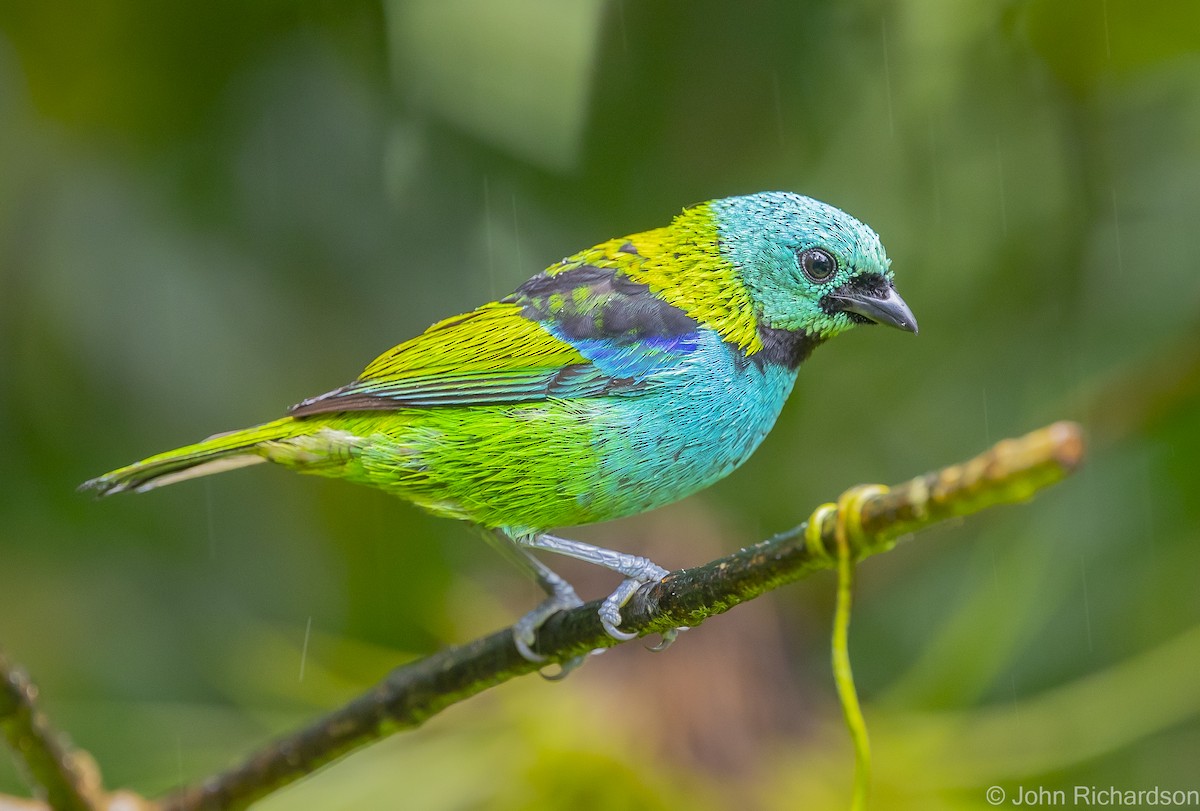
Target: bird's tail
{"x":218,"y":453}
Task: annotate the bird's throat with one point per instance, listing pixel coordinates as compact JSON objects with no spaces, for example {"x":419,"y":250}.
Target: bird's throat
{"x":787,"y":348}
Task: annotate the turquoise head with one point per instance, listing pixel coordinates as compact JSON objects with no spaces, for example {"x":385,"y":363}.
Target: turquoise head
{"x":809,"y":267}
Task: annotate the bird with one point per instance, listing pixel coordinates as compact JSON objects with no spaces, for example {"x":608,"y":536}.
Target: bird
{"x":624,"y":377}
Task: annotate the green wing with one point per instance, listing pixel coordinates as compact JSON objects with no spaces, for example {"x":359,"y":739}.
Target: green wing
{"x":584,"y":331}
{"x":490,"y":355}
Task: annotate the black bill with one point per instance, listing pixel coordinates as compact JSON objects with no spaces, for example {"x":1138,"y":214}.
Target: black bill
{"x":879,"y":303}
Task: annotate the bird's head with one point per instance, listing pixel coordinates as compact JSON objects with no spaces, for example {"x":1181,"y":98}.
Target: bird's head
{"x":808,"y":266}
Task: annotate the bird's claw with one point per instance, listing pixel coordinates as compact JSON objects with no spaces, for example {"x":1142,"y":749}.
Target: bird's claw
{"x":525,"y":629}
{"x":566,"y":668}
{"x":610,"y":609}
{"x":668,"y":638}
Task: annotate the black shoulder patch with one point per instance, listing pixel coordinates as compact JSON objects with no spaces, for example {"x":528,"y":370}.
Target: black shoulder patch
{"x":593,"y":302}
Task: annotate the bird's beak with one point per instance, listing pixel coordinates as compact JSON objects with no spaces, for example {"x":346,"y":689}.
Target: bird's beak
{"x":881,"y":304}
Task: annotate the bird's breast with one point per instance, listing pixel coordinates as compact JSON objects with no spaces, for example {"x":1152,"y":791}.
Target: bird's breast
{"x":694,"y":428}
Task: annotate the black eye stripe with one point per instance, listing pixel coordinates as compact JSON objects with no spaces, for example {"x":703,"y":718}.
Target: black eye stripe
{"x":818,"y":265}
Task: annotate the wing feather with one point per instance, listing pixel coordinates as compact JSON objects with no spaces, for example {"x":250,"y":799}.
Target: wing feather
{"x":585,"y":332}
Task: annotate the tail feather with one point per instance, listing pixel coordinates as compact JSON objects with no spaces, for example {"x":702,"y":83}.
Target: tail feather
{"x":216,"y":454}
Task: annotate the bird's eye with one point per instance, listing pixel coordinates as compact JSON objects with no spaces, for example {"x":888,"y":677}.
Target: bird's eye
{"x":817,"y":264}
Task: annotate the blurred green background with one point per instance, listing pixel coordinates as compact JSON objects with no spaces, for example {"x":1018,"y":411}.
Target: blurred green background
{"x":210,"y":211}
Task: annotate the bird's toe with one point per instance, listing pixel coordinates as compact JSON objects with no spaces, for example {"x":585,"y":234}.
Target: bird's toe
{"x":525,"y":629}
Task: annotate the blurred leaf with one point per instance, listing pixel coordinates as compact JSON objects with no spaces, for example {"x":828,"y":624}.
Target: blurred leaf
{"x":475,"y":64}
{"x":1085,"y":41}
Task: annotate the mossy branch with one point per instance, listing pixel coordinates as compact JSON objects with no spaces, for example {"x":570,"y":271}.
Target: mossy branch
{"x":1011,"y":471}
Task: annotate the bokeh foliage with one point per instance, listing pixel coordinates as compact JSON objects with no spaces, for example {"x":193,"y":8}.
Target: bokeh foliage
{"x":209,"y":211}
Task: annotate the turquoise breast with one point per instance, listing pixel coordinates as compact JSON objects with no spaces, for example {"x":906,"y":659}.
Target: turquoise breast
{"x":693,"y":431}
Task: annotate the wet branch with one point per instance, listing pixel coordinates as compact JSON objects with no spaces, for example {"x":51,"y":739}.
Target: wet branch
{"x":1011,"y":471}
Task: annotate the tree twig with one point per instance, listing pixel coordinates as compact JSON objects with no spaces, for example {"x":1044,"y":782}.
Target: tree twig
{"x":65,"y":779}
{"x":1011,"y":471}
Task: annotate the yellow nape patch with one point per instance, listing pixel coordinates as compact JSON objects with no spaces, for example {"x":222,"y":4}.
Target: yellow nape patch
{"x":682,"y":264}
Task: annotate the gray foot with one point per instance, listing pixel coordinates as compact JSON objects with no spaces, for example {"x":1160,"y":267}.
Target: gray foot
{"x":525,"y":630}
{"x":636,"y":576}
{"x":638,"y":571}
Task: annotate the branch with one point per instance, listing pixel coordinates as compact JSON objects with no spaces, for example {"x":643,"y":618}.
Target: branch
{"x":1011,"y":471}
{"x":65,"y":779}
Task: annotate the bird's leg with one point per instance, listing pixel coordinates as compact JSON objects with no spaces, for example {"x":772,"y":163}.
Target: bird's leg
{"x":637,"y":570}
{"x":560,"y":597}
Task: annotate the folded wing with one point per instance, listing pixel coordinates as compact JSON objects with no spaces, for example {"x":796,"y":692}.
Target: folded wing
{"x":583,"y":332}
